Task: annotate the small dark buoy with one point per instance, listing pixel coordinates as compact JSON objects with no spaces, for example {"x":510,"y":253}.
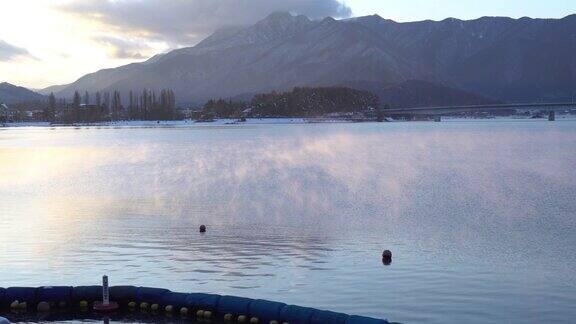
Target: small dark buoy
{"x":202,"y":228}
{"x":387,"y":257}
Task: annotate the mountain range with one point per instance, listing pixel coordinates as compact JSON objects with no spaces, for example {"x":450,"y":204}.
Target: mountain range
{"x":11,"y":94}
{"x":406,"y":64}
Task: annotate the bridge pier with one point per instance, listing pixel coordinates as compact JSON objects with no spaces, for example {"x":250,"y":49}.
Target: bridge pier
{"x":437,"y":119}
{"x":551,"y":115}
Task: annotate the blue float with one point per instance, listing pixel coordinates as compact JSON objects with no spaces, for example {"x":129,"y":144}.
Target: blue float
{"x":54,"y":294}
{"x":364,"y":320}
{"x":264,"y":310}
{"x":296,"y":314}
{"x":123,"y":294}
{"x":233,"y":305}
{"x":21,"y":294}
{"x":150,"y":295}
{"x":321,"y":317}
{"x":203,"y":301}
{"x":86,"y":293}
{"x":177,"y":300}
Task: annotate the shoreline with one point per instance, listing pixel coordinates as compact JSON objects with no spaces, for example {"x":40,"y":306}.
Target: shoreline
{"x":258,"y":121}
{"x":162,"y":123}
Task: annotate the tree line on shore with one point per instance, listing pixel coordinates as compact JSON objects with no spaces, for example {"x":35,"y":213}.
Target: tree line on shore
{"x":300,"y":102}
{"x":303,"y":102}
{"x":108,"y":106}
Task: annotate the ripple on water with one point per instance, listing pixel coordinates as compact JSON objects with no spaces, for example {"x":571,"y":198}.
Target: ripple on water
{"x":479,"y":216}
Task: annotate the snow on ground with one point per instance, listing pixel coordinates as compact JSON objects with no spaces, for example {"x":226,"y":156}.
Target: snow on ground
{"x":166,"y":123}
{"x":508,"y":118}
{"x":252,"y":121}
{"x":27,"y":124}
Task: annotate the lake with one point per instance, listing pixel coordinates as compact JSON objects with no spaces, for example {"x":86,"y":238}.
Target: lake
{"x":480,"y":215}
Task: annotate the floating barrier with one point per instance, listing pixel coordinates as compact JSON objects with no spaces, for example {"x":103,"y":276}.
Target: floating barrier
{"x":165,"y":302}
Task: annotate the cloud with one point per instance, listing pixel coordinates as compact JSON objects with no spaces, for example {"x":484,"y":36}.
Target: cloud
{"x":188,"y":21}
{"x":10,"y":52}
{"x":122,"y":48}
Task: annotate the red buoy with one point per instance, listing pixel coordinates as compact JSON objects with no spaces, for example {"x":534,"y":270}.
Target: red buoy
{"x":101,"y":307}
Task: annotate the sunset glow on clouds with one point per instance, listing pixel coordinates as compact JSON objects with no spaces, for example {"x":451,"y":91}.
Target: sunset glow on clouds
{"x":55,"y":47}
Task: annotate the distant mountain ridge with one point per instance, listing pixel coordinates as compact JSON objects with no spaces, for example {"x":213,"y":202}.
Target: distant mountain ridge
{"x":51,"y":89}
{"x":487,"y":59}
{"x":11,"y":94}
{"x":417,"y":93}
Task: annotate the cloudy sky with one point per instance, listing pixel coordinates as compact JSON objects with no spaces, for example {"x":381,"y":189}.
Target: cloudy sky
{"x":49,"y":42}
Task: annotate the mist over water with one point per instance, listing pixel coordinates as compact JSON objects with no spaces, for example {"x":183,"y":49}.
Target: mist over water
{"x":479,"y":215}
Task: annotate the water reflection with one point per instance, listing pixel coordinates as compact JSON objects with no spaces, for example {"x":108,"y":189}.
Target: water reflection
{"x":302,"y":213}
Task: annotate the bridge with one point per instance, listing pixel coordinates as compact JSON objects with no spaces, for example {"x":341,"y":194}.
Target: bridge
{"x":550,"y":107}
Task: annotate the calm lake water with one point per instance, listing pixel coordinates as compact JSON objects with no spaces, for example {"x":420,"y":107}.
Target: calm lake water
{"x":480,"y":215}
